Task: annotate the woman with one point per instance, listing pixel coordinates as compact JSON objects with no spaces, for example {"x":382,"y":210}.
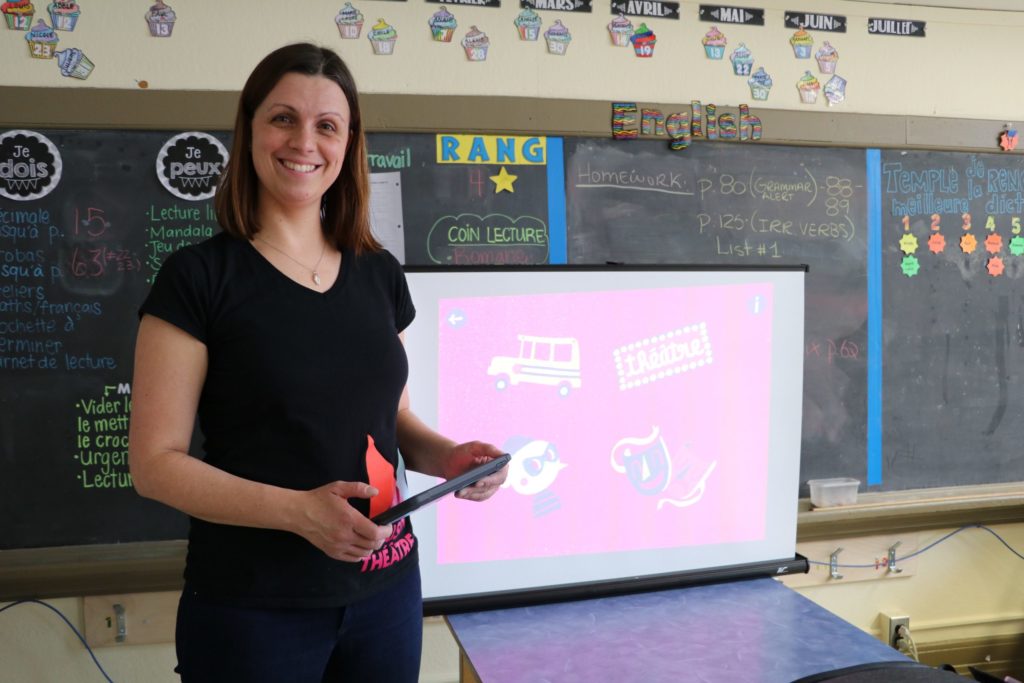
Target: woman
{"x":284,"y":334}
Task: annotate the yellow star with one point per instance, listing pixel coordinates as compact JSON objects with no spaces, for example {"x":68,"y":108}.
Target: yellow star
{"x":503,"y":181}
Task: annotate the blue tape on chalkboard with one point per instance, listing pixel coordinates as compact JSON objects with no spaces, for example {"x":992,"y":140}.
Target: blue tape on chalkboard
{"x":556,"y":203}
{"x":873,"y":161}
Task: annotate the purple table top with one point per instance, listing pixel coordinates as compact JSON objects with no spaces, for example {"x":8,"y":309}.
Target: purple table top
{"x":755,"y":631}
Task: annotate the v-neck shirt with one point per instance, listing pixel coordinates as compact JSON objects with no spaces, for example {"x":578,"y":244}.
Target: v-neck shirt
{"x":297,"y":380}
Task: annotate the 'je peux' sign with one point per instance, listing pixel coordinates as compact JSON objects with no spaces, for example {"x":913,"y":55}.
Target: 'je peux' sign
{"x":836,"y":23}
{"x":558,"y":5}
{"x":896,"y":27}
{"x":724,"y":14}
{"x":656,"y":9}
{"x":693,"y":122}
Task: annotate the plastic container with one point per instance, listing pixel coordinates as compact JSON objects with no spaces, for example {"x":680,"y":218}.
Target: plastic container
{"x":831,"y":492}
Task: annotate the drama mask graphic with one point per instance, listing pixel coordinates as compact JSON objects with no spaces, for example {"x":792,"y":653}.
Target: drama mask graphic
{"x":651,"y":470}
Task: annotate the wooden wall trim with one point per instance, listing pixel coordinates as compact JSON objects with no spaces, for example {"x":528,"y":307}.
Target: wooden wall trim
{"x":26,"y":107}
{"x":158,"y":566}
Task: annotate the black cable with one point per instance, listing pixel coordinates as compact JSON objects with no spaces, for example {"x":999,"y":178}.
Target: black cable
{"x":70,"y":625}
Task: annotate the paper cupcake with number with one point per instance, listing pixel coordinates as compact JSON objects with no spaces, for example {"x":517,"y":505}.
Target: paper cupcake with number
{"x":620,"y":29}
{"x":349,"y":21}
{"x":802,"y":42}
{"x":742,"y":60}
{"x":808,"y":86}
{"x":442,"y":25}
{"x":383,"y":37}
{"x":835,"y":90}
{"x":527,"y":24}
{"x":73,"y":63}
{"x":643,"y":40}
{"x":476,"y":43}
{"x":827,"y":58}
{"x":64,"y":15}
{"x":760,"y":84}
{"x":714,"y":43}
{"x":42,"y":41}
{"x":18,"y":14}
{"x":558,"y":38}
{"x":161,"y":18}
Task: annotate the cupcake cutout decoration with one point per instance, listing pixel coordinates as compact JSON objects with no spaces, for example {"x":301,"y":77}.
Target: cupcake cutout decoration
{"x":742,"y":60}
{"x":620,"y":29}
{"x":349,"y":21}
{"x":18,"y":14}
{"x":476,"y":44}
{"x":527,"y":24}
{"x":643,"y":40}
{"x":714,"y":43}
{"x":808,"y":86}
{"x":42,"y":41}
{"x":835,"y":90}
{"x":827,"y":58}
{"x":383,"y":37}
{"x":442,"y":25}
{"x":760,"y":84}
{"x":161,"y":19}
{"x":802,"y":43}
{"x":64,"y":15}
{"x":558,"y":38}
{"x":73,"y":63}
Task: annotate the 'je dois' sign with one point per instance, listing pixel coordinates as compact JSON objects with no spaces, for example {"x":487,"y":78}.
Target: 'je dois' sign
{"x":30,"y":165}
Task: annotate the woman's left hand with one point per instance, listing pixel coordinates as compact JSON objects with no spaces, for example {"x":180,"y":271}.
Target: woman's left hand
{"x":468,"y":455}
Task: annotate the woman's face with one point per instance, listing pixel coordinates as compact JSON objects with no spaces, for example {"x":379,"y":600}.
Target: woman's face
{"x":299,"y":136}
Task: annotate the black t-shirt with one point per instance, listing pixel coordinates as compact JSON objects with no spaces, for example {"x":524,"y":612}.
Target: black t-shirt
{"x":297,"y":381}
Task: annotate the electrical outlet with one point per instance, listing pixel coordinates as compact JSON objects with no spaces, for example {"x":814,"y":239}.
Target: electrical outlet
{"x":890,"y":625}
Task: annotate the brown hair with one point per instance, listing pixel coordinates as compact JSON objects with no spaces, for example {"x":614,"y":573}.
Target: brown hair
{"x":345,"y":205}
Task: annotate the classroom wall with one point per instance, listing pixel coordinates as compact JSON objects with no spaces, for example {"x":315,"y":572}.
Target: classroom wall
{"x":964,"y":68}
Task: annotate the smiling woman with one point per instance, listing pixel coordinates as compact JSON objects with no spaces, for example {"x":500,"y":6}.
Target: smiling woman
{"x":284,"y":334}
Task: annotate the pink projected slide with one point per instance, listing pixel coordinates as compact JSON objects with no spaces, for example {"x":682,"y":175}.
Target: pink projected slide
{"x":636,"y":419}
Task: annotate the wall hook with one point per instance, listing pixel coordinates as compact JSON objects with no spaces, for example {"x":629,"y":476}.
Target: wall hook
{"x":892,"y":558}
{"x":833,"y":564}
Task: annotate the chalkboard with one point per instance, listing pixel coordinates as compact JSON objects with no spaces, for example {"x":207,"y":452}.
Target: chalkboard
{"x":86,"y":220}
{"x":84,"y":226}
{"x":640,"y":202}
{"x":466,"y":199}
{"x":953,"y":308}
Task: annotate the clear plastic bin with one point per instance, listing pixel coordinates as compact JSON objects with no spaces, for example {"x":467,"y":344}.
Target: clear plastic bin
{"x":831,"y":492}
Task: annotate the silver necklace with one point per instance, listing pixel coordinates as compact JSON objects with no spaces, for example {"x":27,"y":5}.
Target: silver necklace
{"x":314,"y":271}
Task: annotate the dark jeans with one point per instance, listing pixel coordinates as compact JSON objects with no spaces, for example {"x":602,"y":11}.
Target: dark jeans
{"x":376,"y":639}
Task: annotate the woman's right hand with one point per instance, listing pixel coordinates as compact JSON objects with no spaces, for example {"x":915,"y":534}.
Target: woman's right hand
{"x":332,"y":524}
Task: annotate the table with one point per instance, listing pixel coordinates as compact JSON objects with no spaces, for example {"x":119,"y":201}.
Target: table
{"x":751,"y":631}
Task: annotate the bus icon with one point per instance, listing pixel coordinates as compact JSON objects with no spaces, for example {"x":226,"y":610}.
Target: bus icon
{"x":552,"y":361}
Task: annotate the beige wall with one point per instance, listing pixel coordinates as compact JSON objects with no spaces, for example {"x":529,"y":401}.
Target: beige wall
{"x":966,"y":67}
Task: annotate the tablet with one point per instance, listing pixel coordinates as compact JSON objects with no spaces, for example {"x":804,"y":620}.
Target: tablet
{"x":413,"y":503}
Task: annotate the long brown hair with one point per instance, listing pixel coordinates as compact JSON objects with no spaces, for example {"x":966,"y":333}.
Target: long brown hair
{"x":345,"y":206}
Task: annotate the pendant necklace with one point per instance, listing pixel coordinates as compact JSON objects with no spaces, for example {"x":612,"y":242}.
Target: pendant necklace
{"x":314,"y":271}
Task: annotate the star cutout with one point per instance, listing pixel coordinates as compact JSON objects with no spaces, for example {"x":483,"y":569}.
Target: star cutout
{"x":503,"y":181}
